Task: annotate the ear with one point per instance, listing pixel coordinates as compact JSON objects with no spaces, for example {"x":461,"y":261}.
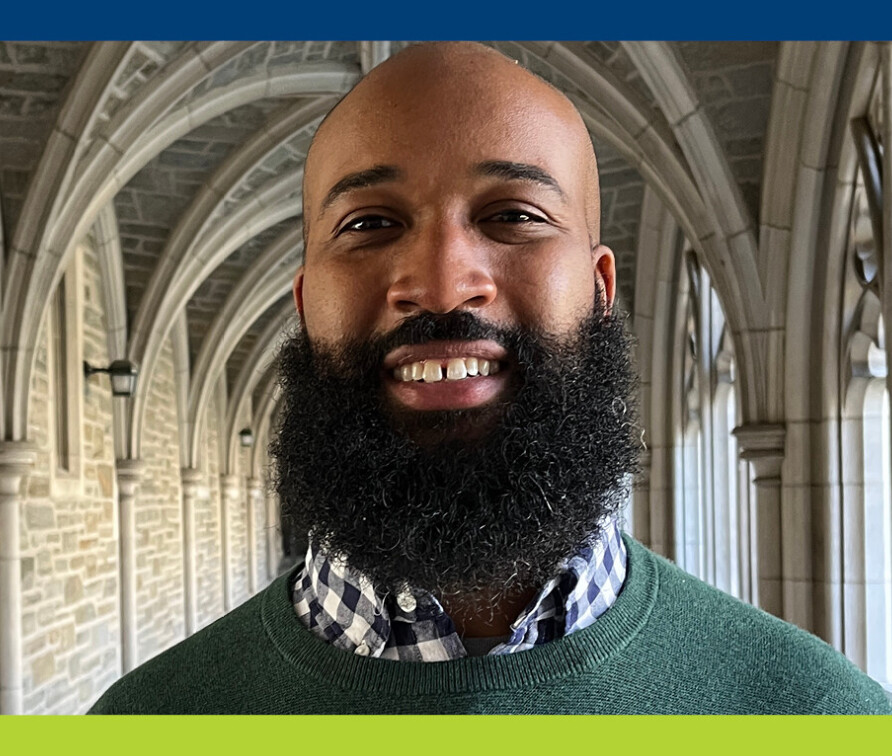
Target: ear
{"x":298,"y":291}
{"x":605,"y":275}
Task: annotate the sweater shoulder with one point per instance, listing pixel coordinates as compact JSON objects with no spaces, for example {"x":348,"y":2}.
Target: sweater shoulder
{"x":766,"y":664}
{"x":187,"y":677}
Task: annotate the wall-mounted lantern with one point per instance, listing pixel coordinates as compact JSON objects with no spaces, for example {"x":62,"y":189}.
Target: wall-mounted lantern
{"x":123,"y":376}
{"x":246,"y":437}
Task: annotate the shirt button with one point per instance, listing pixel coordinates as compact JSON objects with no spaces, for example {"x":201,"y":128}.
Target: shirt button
{"x":406,"y":602}
{"x":362,"y":649}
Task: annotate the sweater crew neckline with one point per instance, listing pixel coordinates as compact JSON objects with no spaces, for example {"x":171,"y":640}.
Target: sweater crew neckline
{"x":566,"y":656}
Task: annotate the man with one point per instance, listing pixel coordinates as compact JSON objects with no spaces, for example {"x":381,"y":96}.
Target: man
{"x":457,"y":439}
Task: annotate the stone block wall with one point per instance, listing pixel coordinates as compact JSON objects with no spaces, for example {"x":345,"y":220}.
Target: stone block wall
{"x":69,"y":533}
{"x":70,"y":625}
{"x":159,"y":525}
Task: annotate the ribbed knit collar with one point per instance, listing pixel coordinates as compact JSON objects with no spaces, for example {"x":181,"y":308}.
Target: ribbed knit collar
{"x":341,"y":607}
{"x":550,"y":662}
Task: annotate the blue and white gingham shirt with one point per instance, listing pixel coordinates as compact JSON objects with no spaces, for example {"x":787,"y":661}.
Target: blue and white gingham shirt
{"x":342,"y":607}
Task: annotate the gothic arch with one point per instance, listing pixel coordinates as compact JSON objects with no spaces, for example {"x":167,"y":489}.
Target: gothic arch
{"x":278,"y":201}
{"x":258,"y":366}
{"x":111,"y":265}
{"x":245,"y":304}
{"x":109,"y":164}
{"x":613,"y":112}
{"x":209,"y":204}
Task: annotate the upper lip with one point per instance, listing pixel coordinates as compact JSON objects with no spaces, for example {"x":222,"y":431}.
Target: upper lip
{"x":402,"y":355}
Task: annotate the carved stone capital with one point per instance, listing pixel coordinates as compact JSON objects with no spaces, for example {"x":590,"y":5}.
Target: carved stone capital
{"x":191,"y":479}
{"x":230,"y":485}
{"x":255,"y":487}
{"x":129,"y":472}
{"x":762,"y":445}
{"x":17,"y":458}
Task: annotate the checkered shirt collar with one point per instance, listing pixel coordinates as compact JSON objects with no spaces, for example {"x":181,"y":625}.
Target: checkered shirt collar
{"x":341,"y":606}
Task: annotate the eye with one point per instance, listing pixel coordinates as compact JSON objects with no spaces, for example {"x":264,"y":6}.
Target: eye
{"x":513,"y":224}
{"x":367,"y":223}
{"x":515,"y":216}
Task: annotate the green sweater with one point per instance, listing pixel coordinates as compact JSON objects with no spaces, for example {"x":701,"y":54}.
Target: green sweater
{"x":670,"y":644}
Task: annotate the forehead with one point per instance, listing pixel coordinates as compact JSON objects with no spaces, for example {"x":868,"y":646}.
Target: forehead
{"x":436,"y":126}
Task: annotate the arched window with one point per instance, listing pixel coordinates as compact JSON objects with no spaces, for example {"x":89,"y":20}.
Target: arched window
{"x":710,"y":522}
{"x":727,"y":512}
{"x":865,"y":428}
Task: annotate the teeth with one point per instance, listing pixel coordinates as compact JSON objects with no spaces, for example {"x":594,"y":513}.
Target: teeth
{"x":456,"y":369}
{"x":432,"y":371}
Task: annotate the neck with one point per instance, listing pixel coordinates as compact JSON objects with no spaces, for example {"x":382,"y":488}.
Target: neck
{"x":486,"y":614}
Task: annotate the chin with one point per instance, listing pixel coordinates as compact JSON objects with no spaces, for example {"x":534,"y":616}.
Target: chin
{"x":432,"y":428}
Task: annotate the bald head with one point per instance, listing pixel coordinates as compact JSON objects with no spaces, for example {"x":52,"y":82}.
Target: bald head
{"x":458,"y":86}
{"x":451,"y":178}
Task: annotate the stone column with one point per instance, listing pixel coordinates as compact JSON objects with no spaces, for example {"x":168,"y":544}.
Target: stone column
{"x":373,"y":53}
{"x":229,"y":486}
{"x":636,"y":519}
{"x":885,"y":253}
{"x":191,"y":482}
{"x":16,"y":460}
{"x":762,"y":445}
{"x":273,"y":537}
{"x":255,"y":500}
{"x":129,"y":473}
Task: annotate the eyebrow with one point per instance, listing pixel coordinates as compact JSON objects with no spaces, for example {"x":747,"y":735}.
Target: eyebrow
{"x":504,"y":169}
{"x":378,"y":174}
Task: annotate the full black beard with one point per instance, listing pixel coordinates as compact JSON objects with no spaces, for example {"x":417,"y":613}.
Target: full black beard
{"x":455,"y":502}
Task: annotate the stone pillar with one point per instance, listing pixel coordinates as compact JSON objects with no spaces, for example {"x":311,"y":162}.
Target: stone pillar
{"x":762,"y":445}
{"x":16,"y":460}
{"x":129,"y":473}
{"x":255,"y":500}
{"x":885,"y":253}
{"x":229,"y":487}
{"x":191,"y":482}
{"x":636,"y":519}
{"x":372,"y":53}
{"x":273,"y":537}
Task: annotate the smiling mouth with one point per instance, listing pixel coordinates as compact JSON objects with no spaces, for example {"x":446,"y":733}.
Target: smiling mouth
{"x":447,"y":375}
{"x":445,"y":369}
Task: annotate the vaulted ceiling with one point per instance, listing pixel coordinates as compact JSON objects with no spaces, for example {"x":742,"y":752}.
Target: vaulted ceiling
{"x":198,"y":150}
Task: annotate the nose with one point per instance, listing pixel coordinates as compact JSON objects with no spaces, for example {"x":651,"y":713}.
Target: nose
{"x":440,"y":270}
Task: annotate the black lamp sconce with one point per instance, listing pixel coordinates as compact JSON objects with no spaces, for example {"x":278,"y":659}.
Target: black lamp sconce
{"x":246,"y":437}
{"x":123,"y":376}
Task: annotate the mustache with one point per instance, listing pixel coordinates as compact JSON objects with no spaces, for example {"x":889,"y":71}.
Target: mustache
{"x":457,"y":325}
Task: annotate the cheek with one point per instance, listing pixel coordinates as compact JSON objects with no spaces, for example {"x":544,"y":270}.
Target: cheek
{"x":553,"y":291}
{"x":335,"y":305}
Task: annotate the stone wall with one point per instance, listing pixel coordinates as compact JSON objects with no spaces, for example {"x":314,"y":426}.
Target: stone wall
{"x":71,"y":632}
{"x":159,"y":525}
{"x":69,"y":532}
